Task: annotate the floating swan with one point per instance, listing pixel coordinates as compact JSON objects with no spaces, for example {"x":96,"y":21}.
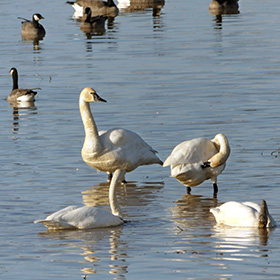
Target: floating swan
{"x":194,"y":161}
{"x":19,"y":94}
{"x":218,"y":7}
{"x":98,"y":7}
{"x":114,"y":149}
{"x":74,"y":217}
{"x":245,"y":214}
{"x":95,"y":24}
{"x":31,"y":30}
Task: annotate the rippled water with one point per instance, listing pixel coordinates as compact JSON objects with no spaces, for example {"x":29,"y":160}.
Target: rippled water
{"x":181,"y":75}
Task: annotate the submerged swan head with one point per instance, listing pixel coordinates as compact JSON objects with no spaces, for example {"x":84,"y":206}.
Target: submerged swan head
{"x":89,"y":95}
{"x":221,"y":157}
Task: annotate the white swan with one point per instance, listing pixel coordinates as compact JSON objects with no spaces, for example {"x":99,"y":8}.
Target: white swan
{"x":194,"y":161}
{"x":74,"y":217}
{"x":114,"y":149}
{"x":245,"y":214}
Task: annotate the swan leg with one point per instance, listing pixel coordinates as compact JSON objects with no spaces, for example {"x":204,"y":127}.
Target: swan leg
{"x":215,"y":188}
{"x":189,"y":190}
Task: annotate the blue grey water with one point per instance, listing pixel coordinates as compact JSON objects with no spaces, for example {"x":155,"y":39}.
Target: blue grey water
{"x":169,"y":78}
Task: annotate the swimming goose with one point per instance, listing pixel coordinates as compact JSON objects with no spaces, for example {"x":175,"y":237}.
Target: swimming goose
{"x":19,"y":94}
{"x":95,"y":24}
{"x":218,"y":7}
{"x":194,"y":161}
{"x":86,"y":217}
{"x":113,"y":149}
{"x":30,"y":29}
{"x":98,"y":7}
{"x":243,"y":214}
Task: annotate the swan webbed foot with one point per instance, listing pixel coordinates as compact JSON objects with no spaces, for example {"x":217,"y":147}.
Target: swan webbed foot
{"x":189,"y":190}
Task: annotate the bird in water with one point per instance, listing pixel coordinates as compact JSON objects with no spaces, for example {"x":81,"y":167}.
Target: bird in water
{"x":87,"y":217}
{"x":19,"y":94}
{"x":194,"y":161}
{"x":219,"y":7}
{"x":31,"y":30}
{"x":114,"y":149}
{"x":93,"y":24}
{"x":243,"y":214}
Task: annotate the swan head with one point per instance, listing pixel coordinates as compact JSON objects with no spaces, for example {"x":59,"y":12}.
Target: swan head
{"x":221,"y":157}
{"x":89,"y":95}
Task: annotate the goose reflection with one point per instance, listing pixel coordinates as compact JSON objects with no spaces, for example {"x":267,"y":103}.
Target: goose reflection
{"x":192,"y":210}
{"x":20,"y":111}
{"x":96,"y":247}
{"x":129,"y":6}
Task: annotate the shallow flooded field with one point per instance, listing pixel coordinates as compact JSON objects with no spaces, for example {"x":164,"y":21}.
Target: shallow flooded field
{"x":179,"y":75}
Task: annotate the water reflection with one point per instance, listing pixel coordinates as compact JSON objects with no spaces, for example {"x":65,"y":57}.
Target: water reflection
{"x":129,"y":194}
{"x":98,"y":247}
{"x":20,"y":111}
{"x":192,"y":210}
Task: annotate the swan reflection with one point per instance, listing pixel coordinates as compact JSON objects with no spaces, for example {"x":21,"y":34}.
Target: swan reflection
{"x":97,"y":247}
{"x":192,"y":210}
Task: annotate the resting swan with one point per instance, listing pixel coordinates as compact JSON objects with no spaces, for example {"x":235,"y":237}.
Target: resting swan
{"x":194,"y":161}
{"x":245,"y":214}
{"x":86,"y":217}
{"x":19,"y":94}
{"x":114,"y":149}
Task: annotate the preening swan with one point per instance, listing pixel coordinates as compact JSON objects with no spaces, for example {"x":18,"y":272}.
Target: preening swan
{"x":245,"y":214}
{"x":194,"y":161}
{"x":113,"y":149}
{"x":74,"y":217}
{"x":19,"y":94}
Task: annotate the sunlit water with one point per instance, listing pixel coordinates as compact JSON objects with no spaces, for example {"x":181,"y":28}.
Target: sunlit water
{"x":170,"y":78}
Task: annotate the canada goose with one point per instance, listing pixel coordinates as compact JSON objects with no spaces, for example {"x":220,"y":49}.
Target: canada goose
{"x":19,"y":94}
{"x":243,"y":214}
{"x":86,"y":217}
{"x":98,"y":7}
{"x":218,"y":7}
{"x":113,"y":149}
{"x":32,"y":29}
{"x":95,"y":24}
{"x":194,"y":161}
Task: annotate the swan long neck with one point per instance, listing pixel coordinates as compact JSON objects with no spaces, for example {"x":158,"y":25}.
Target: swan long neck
{"x":91,"y":132}
{"x":15,"y":79}
{"x":115,"y":208}
{"x":224,"y":150}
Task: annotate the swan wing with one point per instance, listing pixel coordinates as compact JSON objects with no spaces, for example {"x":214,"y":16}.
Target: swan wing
{"x":191,"y":151}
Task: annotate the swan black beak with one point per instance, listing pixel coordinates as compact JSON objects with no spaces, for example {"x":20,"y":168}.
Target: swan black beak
{"x":98,"y":98}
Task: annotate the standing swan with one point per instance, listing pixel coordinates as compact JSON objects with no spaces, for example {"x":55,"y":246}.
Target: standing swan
{"x":245,"y":214}
{"x":114,"y":149}
{"x":74,"y":217}
{"x":19,"y":94}
{"x":194,"y":161}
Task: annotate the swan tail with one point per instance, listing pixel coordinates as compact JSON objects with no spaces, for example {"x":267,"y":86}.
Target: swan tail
{"x":50,"y":224}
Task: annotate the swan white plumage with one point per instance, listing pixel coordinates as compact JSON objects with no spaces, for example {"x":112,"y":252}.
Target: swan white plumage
{"x":113,"y":149}
{"x":194,"y":161}
{"x":243,"y":214}
{"x":86,"y":217}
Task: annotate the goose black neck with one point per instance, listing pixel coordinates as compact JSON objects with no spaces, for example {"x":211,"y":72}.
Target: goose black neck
{"x":88,"y":16}
{"x":35,"y":22}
